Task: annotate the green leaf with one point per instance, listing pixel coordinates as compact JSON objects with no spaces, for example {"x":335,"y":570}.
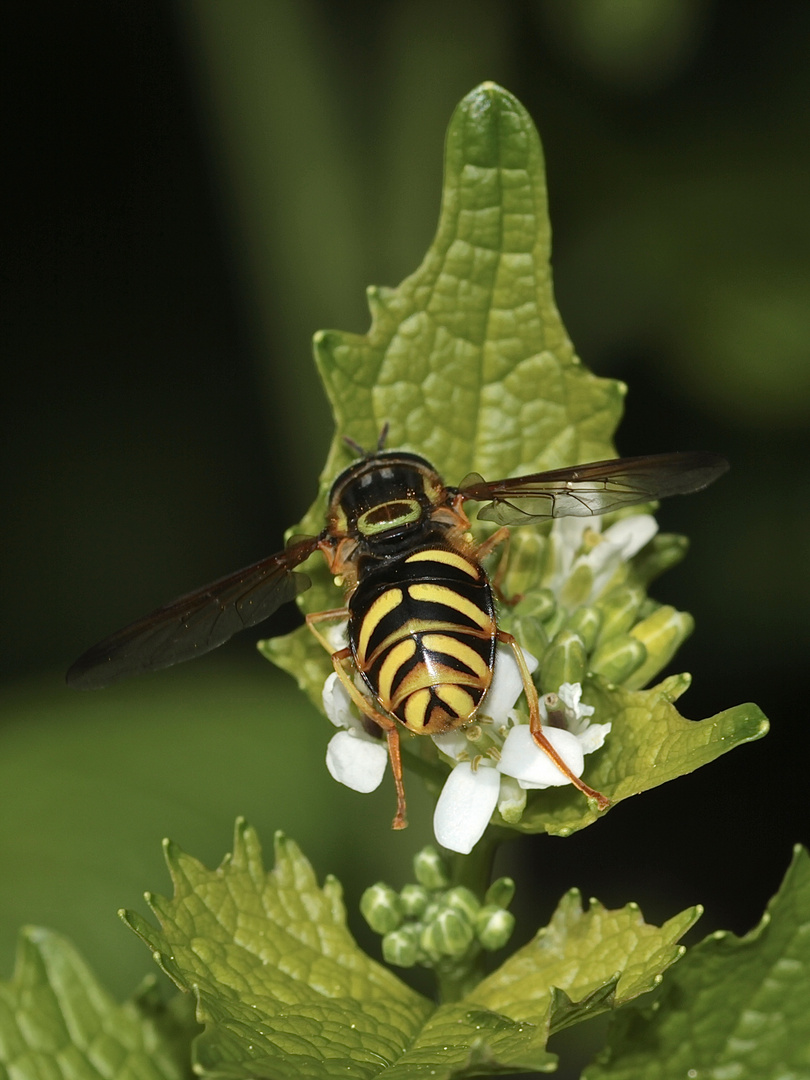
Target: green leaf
{"x":583,"y":964}
{"x":281,"y":986}
{"x":650,"y":743}
{"x":735,"y":1007}
{"x":467,"y":360}
{"x":284,"y":991}
{"x":56,"y":1020}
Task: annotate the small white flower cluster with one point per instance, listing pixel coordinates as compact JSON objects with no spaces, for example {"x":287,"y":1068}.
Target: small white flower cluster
{"x":479,"y":783}
{"x":495,"y":764}
{"x":616,"y":545}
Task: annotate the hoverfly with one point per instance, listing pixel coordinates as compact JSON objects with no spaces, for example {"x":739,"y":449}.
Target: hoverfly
{"x":420,"y":610}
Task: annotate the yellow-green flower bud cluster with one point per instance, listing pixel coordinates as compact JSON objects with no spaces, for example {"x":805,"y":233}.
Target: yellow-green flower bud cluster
{"x":579,"y":619}
{"x":434,"y":925}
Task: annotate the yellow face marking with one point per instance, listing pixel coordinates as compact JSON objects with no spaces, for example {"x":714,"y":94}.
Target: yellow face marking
{"x":389,"y":515}
{"x":381,"y":607}
{"x":451,"y":646}
{"x":398,"y":656}
{"x":440,"y":594}
{"x":457,"y":699}
{"x":415,"y":709}
{"x":449,"y":558}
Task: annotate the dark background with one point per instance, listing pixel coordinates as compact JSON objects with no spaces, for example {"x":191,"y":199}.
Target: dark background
{"x":192,"y":190}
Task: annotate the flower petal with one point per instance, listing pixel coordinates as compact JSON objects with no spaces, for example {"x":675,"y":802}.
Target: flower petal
{"x":507,"y":684}
{"x":630,"y":534}
{"x":465,"y":806}
{"x":358,"y":761}
{"x":453,"y":744}
{"x":593,"y":736}
{"x":522,"y":758}
{"x":338,"y":705}
{"x":511,"y":800}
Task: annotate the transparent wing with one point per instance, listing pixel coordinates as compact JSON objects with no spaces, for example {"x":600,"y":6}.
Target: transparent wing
{"x":196,"y":623}
{"x":595,"y":488}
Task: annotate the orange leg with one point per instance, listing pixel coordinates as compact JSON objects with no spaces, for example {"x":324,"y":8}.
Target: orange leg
{"x":333,"y":615}
{"x":340,"y":659}
{"x":388,"y":725}
{"x":536,"y":725}
{"x":499,"y":537}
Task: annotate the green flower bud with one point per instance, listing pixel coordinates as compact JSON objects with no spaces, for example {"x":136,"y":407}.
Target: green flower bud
{"x":500,"y":893}
{"x":401,"y":947}
{"x":539,"y":604}
{"x":526,"y":561}
{"x":511,"y":800}
{"x":530,"y":633}
{"x":463,"y":900}
{"x":662,"y":552}
{"x":578,"y":587}
{"x":381,"y":908}
{"x":555,"y":624}
{"x":661,"y":634}
{"x":618,"y":658}
{"x":619,"y":610}
{"x":413,"y":900}
{"x":431,"y":911}
{"x":449,"y":934}
{"x":429,"y":868}
{"x":494,"y":926}
{"x":565,"y":661}
{"x":586,"y":622}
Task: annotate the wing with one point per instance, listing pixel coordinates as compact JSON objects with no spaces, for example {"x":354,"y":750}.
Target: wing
{"x":196,"y":623}
{"x":595,"y":488}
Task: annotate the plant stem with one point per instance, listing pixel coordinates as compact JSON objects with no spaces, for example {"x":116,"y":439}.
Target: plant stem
{"x":473,"y":871}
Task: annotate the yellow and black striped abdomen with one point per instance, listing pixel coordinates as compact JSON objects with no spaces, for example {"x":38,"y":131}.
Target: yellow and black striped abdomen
{"x":422,"y":630}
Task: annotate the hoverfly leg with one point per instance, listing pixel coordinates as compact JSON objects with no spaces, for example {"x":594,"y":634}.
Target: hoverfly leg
{"x":389,"y":726}
{"x":501,"y":537}
{"x":536,"y":724}
{"x":333,"y":615}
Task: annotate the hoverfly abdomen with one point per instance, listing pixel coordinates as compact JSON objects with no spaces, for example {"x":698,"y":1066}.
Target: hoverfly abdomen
{"x":423,"y":631}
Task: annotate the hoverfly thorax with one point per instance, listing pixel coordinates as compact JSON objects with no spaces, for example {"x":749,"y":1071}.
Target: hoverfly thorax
{"x":386,"y":502}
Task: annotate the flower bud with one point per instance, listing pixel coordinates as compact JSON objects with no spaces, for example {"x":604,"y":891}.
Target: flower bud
{"x":586,"y":622}
{"x":500,"y":893}
{"x":511,"y":800}
{"x":381,"y":908}
{"x":565,"y":661}
{"x":463,"y":900}
{"x":662,"y":552}
{"x":401,"y":947}
{"x":661,"y":634}
{"x":619,"y":609}
{"x":531,"y":634}
{"x":413,"y":900}
{"x":449,"y":934}
{"x":494,"y":926}
{"x":618,"y":658}
{"x":578,"y":587}
{"x":429,"y":869}
{"x":527,"y":558}
{"x":539,"y":604}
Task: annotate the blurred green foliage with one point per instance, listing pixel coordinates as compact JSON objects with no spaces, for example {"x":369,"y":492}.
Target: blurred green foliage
{"x":230,"y":178}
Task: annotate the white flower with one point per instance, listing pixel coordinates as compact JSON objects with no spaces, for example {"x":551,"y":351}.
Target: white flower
{"x":467,"y":802}
{"x":353,"y":757}
{"x":617,"y":544}
{"x":478,"y":783}
{"x":470,"y":793}
{"x":523,"y":759}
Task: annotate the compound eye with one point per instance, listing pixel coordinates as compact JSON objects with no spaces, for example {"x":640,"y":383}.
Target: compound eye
{"x":388,"y":516}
